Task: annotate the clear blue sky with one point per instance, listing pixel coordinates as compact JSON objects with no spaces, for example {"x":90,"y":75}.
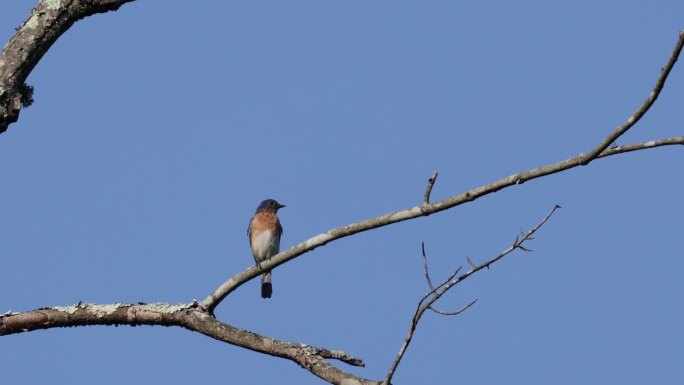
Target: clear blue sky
{"x":156,"y":131}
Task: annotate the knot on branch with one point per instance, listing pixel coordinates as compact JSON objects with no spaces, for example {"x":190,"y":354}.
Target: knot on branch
{"x":12,"y":102}
{"x":25,"y":95}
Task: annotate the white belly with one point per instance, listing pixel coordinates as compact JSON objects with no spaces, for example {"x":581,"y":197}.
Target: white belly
{"x":265,"y":245}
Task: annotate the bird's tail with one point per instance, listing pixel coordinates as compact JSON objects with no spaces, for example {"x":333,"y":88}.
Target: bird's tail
{"x":266,"y":287}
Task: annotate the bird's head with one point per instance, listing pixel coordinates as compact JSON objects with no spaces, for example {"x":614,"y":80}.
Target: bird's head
{"x":270,"y":205}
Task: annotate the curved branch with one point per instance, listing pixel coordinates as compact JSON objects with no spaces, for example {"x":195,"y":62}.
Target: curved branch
{"x":641,"y":111}
{"x":311,"y":358}
{"x":48,"y":21}
{"x":213,"y":300}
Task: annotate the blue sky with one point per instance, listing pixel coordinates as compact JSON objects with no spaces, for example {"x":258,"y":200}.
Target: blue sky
{"x":156,"y":131}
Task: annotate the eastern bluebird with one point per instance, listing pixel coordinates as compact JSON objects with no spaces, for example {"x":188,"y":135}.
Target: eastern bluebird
{"x":264,"y":233}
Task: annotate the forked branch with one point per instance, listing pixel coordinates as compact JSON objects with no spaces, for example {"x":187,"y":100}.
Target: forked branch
{"x":426,"y":208}
{"x":641,"y":111}
{"x":427,"y":301}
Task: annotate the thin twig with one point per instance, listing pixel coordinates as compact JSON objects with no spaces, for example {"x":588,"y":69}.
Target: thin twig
{"x":420,"y":309}
{"x":437,"y":292}
{"x":425,"y":266}
{"x":428,"y":189}
{"x":643,"y":145}
{"x":457,"y":312}
{"x":431,"y":286}
{"x":470,"y":262}
{"x":517,"y":244}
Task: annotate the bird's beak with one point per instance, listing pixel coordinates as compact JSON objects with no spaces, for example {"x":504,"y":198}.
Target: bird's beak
{"x":280,"y":206}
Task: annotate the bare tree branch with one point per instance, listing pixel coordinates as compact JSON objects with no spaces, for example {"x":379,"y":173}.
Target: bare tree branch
{"x":456,"y":312}
{"x":436,"y":293}
{"x":429,"y":282}
{"x":420,"y":309}
{"x":311,"y":358}
{"x":641,"y":146}
{"x":428,"y":189}
{"x":239,"y":279}
{"x":641,"y":111}
{"x":48,"y":21}
{"x":425,"y":266}
{"x":425,"y":209}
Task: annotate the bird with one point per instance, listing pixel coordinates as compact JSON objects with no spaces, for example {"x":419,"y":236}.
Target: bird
{"x":264,"y":233}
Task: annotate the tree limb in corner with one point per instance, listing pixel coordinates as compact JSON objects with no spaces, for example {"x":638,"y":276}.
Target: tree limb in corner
{"x":48,"y":21}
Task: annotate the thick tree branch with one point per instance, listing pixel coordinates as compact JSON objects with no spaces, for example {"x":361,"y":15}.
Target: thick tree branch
{"x":311,"y":358}
{"x":427,"y":301}
{"x":48,"y":21}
